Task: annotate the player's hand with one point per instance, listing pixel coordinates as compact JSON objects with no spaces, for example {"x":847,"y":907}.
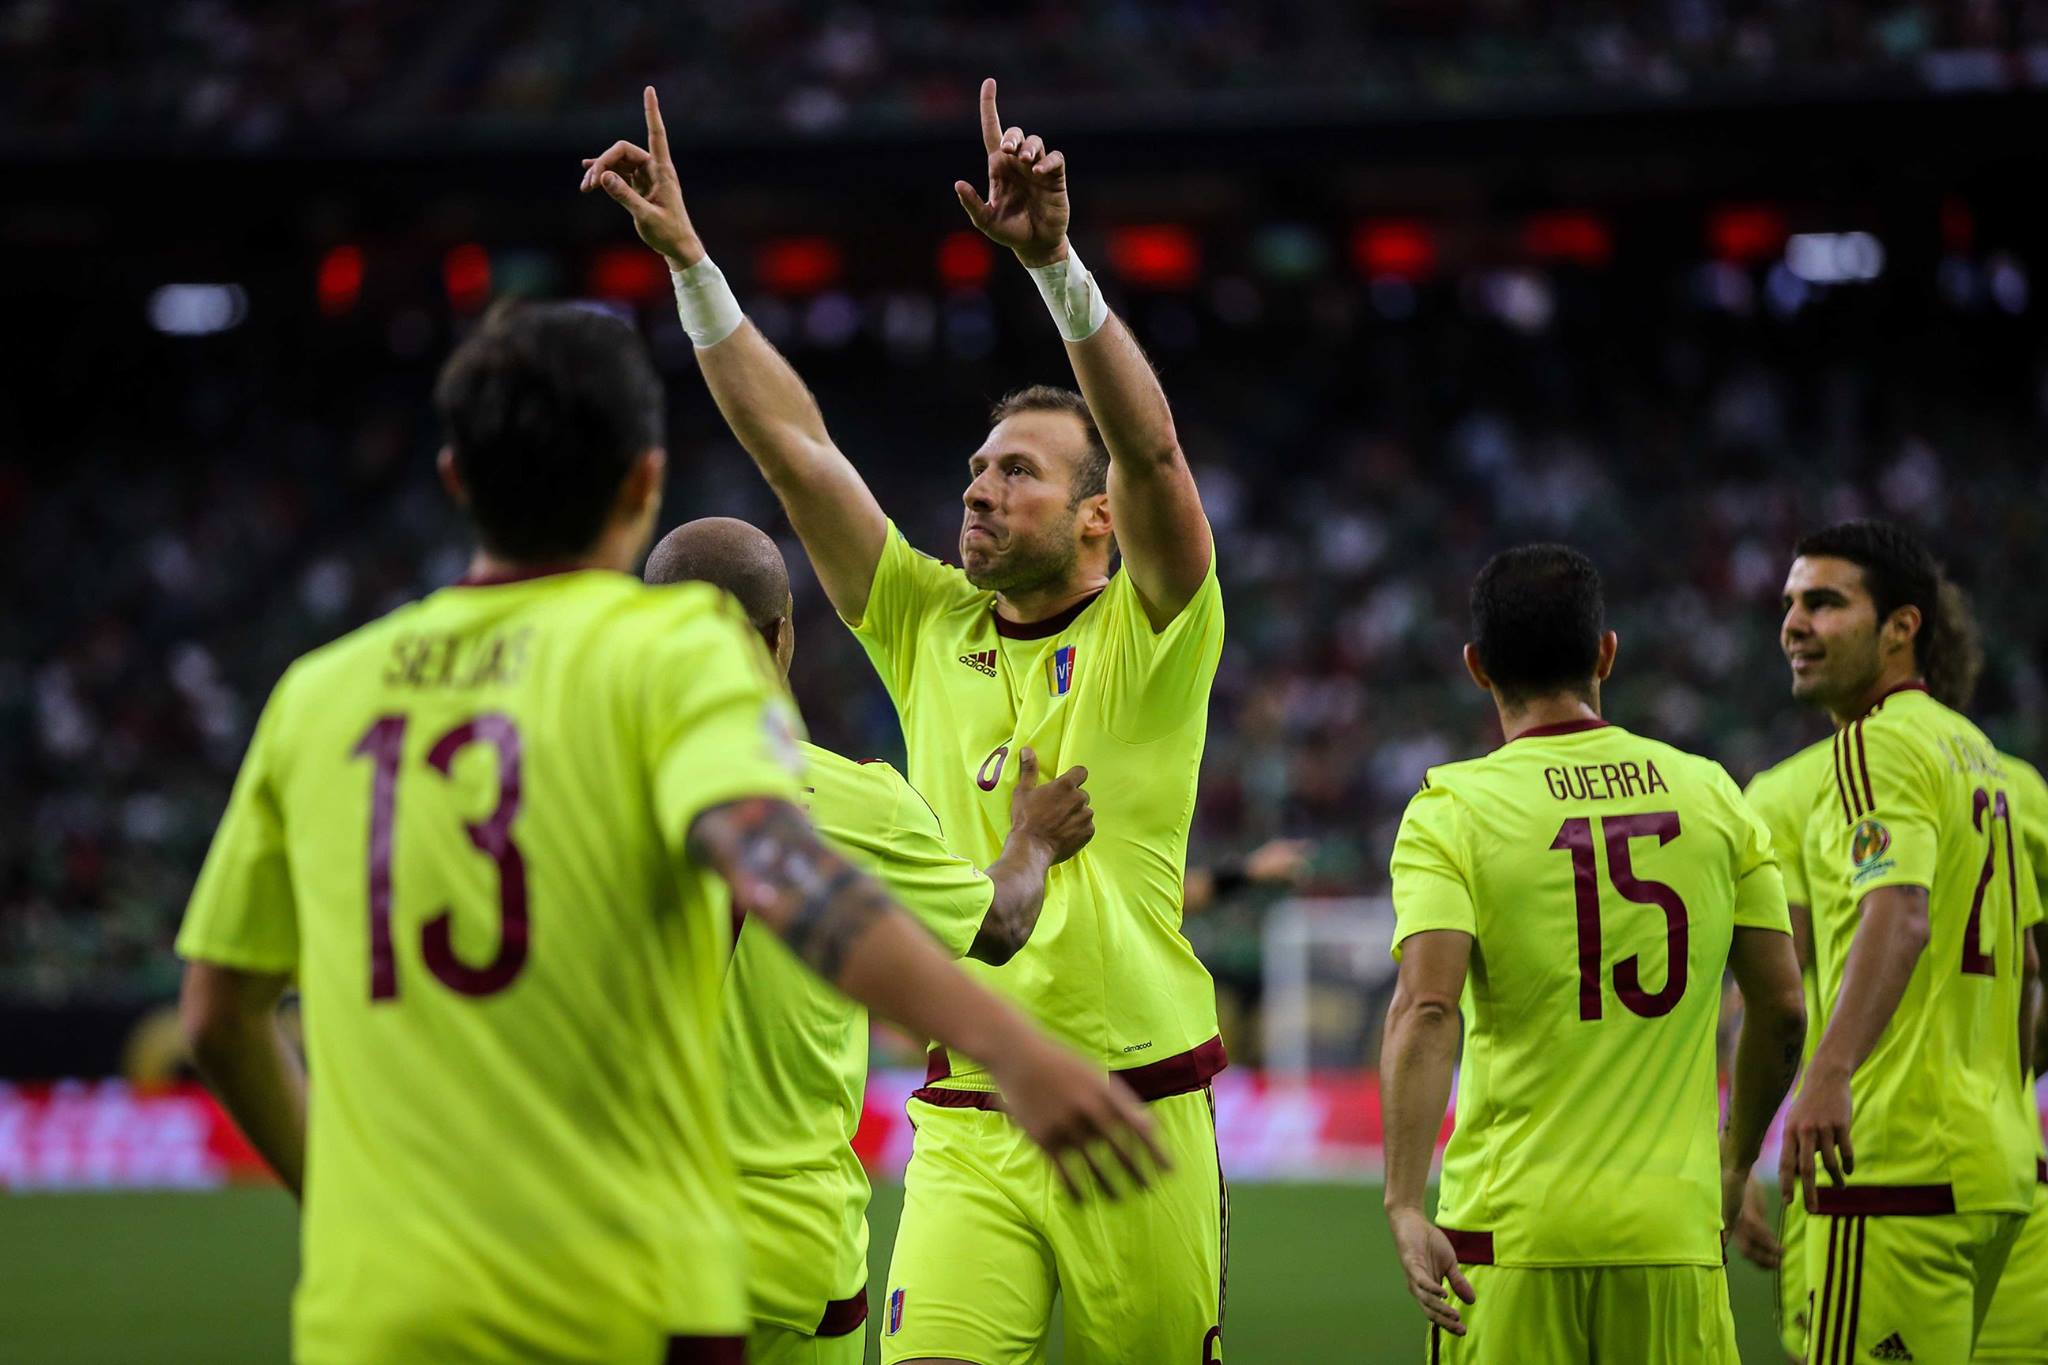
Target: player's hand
{"x":1282,"y":861}
{"x":644,"y":181}
{"x":1075,"y":1110}
{"x":1026,"y":207}
{"x":1056,"y":812}
{"x":1428,"y":1261}
{"x":1745,"y":1224}
{"x":1816,"y":1135}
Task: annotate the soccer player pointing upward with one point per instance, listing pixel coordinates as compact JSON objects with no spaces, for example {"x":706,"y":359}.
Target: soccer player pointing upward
{"x":484,"y":833}
{"x":1039,"y":639}
{"x":1576,"y":895}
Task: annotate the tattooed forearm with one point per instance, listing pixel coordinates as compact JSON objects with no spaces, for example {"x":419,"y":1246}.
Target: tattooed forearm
{"x":777,"y":868}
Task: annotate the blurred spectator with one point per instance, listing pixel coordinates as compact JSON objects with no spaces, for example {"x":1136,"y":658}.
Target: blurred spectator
{"x":243,"y":74}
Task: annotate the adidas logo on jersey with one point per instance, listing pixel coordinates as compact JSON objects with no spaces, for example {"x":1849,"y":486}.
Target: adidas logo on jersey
{"x":1892,"y":1347}
{"x":981,"y":661}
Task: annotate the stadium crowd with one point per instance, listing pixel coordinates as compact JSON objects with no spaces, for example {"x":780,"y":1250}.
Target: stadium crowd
{"x":1359,"y":456}
{"x":250,"y":75}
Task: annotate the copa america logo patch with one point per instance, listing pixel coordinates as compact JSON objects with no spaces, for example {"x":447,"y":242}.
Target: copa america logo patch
{"x":1867,"y":847}
{"x":895,"y":1312}
{"x":1060,"y":670}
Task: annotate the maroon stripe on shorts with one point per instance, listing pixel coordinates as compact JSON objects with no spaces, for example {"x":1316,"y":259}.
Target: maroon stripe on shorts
{"x":705,"y":1351}
{"x":1862,"y":1231}
{"x":1818,"y":1333}
{"x":1895,"y":1201}
{"x":1471,"y":1248}
{"x":844,"y":1315}
{"x":2041,"y":1171}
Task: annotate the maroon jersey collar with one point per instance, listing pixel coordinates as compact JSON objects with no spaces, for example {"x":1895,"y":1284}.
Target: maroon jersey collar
{"x":1563,"y":727}
{"x":1916,"y":685}
{"x":520,"y":575}
{"x":1040,"y":630}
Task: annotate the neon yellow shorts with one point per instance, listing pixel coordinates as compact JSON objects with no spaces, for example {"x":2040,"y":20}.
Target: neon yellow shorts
{"x":989,"y":1235}
{"x":1901,"y":1286}
{"x":1795,"y":1300}
{"x":1642,"y":1314}
{"x":770,"y":1345}
{"x":2016,"y":1328}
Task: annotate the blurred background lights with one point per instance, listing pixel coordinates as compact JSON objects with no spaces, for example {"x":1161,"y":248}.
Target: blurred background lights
{"x":1834,"y":257}
{"x":197,"y":310}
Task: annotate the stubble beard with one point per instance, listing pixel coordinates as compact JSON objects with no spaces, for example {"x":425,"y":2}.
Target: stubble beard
{"x":1840,"y":687}
{"x":1027,"y":564}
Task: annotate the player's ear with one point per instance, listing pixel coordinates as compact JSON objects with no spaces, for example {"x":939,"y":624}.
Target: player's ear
{"x":1472,"y":666}
{"x":1609,"y":643}
{"x":640,"y":494}
{"x":451,"y":477}
{"x":1095,"y":517}
{"x":1901,"y":627}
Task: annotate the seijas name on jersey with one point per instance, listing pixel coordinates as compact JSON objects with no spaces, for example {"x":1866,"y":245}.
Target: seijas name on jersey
{"x":1603,"y":781}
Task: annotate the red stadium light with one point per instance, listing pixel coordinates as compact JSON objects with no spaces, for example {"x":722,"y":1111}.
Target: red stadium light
{"x":466,"y":272}
{"x":1576,"y":238}
{"x":628,"y":272}
{"x":1958,"y":226}
{"x":1155,"y":256}
{"x":797,"y":265}
{"x":965,"y":260}
{"x":1746,"y":233}
{"x":1400,"y":249}
{"x":340,"y":282}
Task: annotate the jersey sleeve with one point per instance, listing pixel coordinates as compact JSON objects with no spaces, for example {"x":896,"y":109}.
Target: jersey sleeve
{"x":242,"y":913}
{"x":948,"y":894}
{"x":1431,"y":889}
{"x":719,"y":726}
{"x":908,"y":589}
{"x":1891,"y":787}
{"x":1760,"y":896}
{"x":1161,"y":678}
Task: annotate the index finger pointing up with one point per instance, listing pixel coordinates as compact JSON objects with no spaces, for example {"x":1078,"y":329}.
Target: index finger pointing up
{"x":991,"y":126}
{"x":657,"y":136}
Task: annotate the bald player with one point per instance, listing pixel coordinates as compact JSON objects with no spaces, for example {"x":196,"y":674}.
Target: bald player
{"x":796,"y":1055}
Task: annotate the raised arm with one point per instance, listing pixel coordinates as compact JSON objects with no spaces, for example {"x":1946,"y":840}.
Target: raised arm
{"x":1153,"y":502}
{"x":760,"y":395}
{"x":847,"y":930}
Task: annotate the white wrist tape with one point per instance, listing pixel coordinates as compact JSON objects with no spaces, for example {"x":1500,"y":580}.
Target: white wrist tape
{"x":705,"y":303}
{"x":1073,"y":296}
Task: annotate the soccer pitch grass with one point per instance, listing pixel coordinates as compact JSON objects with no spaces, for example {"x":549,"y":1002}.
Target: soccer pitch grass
{"x":117,"y":1279}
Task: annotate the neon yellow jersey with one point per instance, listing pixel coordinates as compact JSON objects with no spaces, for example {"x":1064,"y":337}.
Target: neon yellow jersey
{"x":2028,"y":800}
{"x":797,"y":1051}
{"x":1601,"y":876}
{"x":1107,"y":969}
{"x":1920,"y":798}
{"x":2027,"y":796}
{"x":1784,"y":796}
{"x":463,"y":828}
